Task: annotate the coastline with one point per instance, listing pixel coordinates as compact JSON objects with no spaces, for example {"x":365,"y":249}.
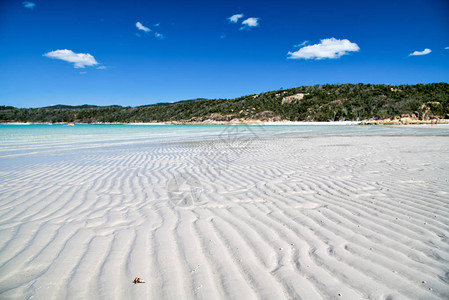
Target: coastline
{"x":400,"y":122}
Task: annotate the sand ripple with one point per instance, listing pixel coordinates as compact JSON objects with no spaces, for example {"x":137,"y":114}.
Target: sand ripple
{"x":281,"y":218}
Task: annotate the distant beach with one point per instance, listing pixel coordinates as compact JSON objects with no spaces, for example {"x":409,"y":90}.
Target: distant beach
{"x":224,"y":212}
{"x":387,"y":122}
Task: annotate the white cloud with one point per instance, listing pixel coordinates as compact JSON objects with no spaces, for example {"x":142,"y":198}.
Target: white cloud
{"x":327,"y":48}
{"x":302,"y":44}
{"x":159,"y":35}
{"x":28,"y":4}
{"x":141,"y":27}
{"x":80,"y":60}
{"x":235,"y":18}
{"x":101,"y":68}
{"x":447,"y":48}
{"x":424,"y":52}
{"x":250,"y":22}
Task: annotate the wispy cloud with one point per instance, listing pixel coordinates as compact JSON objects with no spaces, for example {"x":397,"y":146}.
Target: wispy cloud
{"x":28,"y":4}
{"x":222,"y":36}
{"x":235,"y":18}
{"x":302,"y":44}
{"x":79,"y":60}
{"x":424,"y":52}
{"x":141,"y":27}
{"x":250,"y":22}
{"x":159,"y":35}
{"x":447,"y":48}
{"x":101,"y":68}
{"x":327,"y":48}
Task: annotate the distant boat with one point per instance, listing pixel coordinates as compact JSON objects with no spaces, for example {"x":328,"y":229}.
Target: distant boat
{"x":70,"y":124}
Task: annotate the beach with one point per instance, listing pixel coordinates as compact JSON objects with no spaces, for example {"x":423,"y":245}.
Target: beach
{"x":224,"y":212}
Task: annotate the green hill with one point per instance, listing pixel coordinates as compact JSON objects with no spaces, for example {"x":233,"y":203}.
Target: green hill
{"x":332,"y":102}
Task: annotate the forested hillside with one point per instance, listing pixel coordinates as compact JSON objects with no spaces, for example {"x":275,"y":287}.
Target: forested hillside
{"x":307,"y":103}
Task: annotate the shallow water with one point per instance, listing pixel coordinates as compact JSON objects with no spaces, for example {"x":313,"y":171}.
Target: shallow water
{"x":19,"y":135}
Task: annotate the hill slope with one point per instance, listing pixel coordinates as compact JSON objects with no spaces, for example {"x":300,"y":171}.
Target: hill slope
{"x":307,"y":103}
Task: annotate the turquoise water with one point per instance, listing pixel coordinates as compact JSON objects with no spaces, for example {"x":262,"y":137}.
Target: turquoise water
{"x":15,"y":139}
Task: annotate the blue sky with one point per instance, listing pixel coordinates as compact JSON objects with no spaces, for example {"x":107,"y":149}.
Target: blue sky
{"x":140,"y":52}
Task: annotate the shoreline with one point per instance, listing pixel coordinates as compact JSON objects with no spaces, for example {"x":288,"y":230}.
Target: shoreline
{"x":387,"y":122}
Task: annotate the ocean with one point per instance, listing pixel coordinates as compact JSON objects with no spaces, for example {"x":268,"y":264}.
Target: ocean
{"x":33,"y":138}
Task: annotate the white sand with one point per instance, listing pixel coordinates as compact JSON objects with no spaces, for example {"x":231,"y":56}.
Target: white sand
{"x":303,"y":123}
{"x":362,"y":217}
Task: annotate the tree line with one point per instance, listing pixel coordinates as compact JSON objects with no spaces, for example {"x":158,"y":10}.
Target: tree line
{"x":330,"y":102}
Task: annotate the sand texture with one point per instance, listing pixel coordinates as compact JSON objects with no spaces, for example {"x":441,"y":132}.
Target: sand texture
{"x":285,"y":217}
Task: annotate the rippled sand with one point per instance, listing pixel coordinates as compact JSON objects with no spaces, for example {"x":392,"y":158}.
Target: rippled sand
{"x":289,"y":217}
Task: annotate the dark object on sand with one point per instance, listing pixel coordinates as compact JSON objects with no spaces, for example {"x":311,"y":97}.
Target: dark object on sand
{"x":138,"y":280}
